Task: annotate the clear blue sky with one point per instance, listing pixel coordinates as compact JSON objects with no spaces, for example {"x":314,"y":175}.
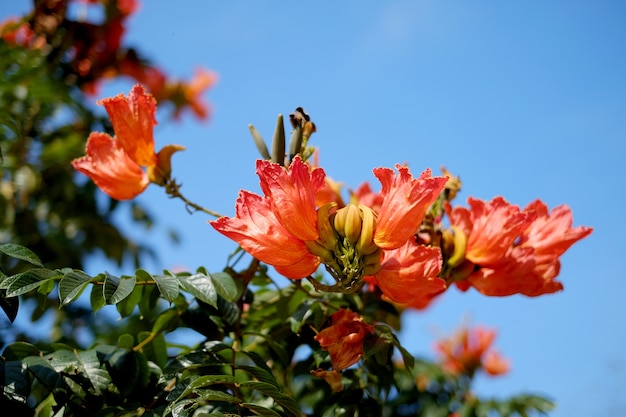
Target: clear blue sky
{"x":522,"y":99}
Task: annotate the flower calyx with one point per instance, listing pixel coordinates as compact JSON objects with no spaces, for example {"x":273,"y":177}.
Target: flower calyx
{"x":346,"y":246}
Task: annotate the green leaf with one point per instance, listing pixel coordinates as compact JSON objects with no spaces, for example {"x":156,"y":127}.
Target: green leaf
{"x":20,"y":252}
{"x":156,"y":349}
{"x":200,"y":286}
{"x":166,"y":322}
{"x":45,"y":373}
{"x":260,"y":410}
{"x":225,"y":285}
{"x":15,"y":382}
{"x":301,"y":314}
{"x":205,"y":381}
{"x":10,"y":305}
{"x":19,"y":350}
{"x":97,"y":297}
{"x":126,"y":306}
{"x":28,"y":280}
{"x":116,"y":289}
{"x":168,"y":286}
{"x":85,"y":364}
{"x":286,"y":402}
{"x":71,"y":286}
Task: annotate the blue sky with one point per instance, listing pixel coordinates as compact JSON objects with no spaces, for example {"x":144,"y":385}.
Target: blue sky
{"x":521,"y":99}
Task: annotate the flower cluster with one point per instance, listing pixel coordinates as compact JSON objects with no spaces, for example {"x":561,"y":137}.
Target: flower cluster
{"x":286,"y":229}
{"x":469,"y":350}
{"x":115,"y":163}
{"x":506,"y":250}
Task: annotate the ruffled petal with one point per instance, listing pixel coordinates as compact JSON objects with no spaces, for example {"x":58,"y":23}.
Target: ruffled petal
{"x":404,"y":203}
{"x":257,"y":230}
{"x":110,"y":168}
{"x":292,"y":194}
{"x":408,"y":275}
{"x":133,"y":119}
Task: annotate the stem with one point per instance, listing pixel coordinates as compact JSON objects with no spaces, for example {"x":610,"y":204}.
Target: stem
{"x":173,"y":190}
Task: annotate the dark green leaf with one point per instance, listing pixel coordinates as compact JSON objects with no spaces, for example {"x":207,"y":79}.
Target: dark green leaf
{"x":127,"y":305}
{"x":19,"y":350}
{"x":285,"y":401}
{"x":260,"y":410}
{"x":156,"y":349}
{"x":225,"y":285}
{"x":45,"y":373}
{"x":71,"y":285}
{"x":168,"y":286}
{"x":20,"y":252}
{"x":166,"y":322}
{"x":97,"y":297}
{"x":299,"y":317}
{"x":10,"y":305}
{"x":15,"y":381}
{"x":85,"y":364}
{"x":200,"y":286}
{"x":116,"y":289}
{"x":26,"y":281}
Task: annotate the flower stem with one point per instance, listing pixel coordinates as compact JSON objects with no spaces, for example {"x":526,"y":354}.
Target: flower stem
{"x":173,"y":190}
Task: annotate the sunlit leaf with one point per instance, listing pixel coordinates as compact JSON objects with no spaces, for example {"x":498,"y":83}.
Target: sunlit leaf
{"x":200,"y":286}
{"x":96,"y":297}
{"x":85,"y":363}
{"x":71,"y":286}
{"x":167,"y":321}
{"x":45,"y":373}
{"x":20,"y":350}
{"x":20,"y":252}
{"x":28,"y":280}
{"x":168,"y":286}
{"x":116,"y":289}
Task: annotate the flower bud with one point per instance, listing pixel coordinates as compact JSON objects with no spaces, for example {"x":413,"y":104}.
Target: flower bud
{"x":161,"y":172}
{"x":348,"y":223}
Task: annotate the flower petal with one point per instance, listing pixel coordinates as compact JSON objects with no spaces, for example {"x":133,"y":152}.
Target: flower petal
{"x":259,"y":232}
{"x":292,"y":195}
{"x":404,"y":203}
{"x":133,"y":119}
{"x":110,"y":168}
{"x":408,"y":275}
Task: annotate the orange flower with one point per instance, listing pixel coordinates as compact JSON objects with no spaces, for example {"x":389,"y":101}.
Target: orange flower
{"x":183,"y":94}
{"x":469,"y":350}
{"x":114,"y":163}
{"x":285,"y":230}
{"x":343,"y":339}
{"x":514,"y":251}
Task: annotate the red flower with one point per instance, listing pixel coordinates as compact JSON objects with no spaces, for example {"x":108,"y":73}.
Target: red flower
{"x":469,"y":350}
{"x":343,"y":339}
{"x":114,"y":163}
{"x":515,"y":252}
{"x":285,"y":230}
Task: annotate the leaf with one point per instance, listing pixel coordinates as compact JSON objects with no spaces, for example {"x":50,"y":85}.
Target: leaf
{"x":200,"y":286}
{"x":45,"y":373}
{"x":225,"y":286}
{"x":96,"y":297}
{"x":10,"y":305}
{"x":85,"y":364}
{"x":299,"y":317}
{"x":156,"y":349}
{"x":71,"y":286}
{"x":19,"y":350}
{"x":205,"y":381}
{"x":166,"y":322}
{"x":116,"y":289}
{"x":260,"y":410}
{"x":126,"y":306}
{"x":286,"y":402}
{"x":20,"y":252}
{"x":168,"y":286}
{"x":15,"y":382}
{"x":23,"y":282}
